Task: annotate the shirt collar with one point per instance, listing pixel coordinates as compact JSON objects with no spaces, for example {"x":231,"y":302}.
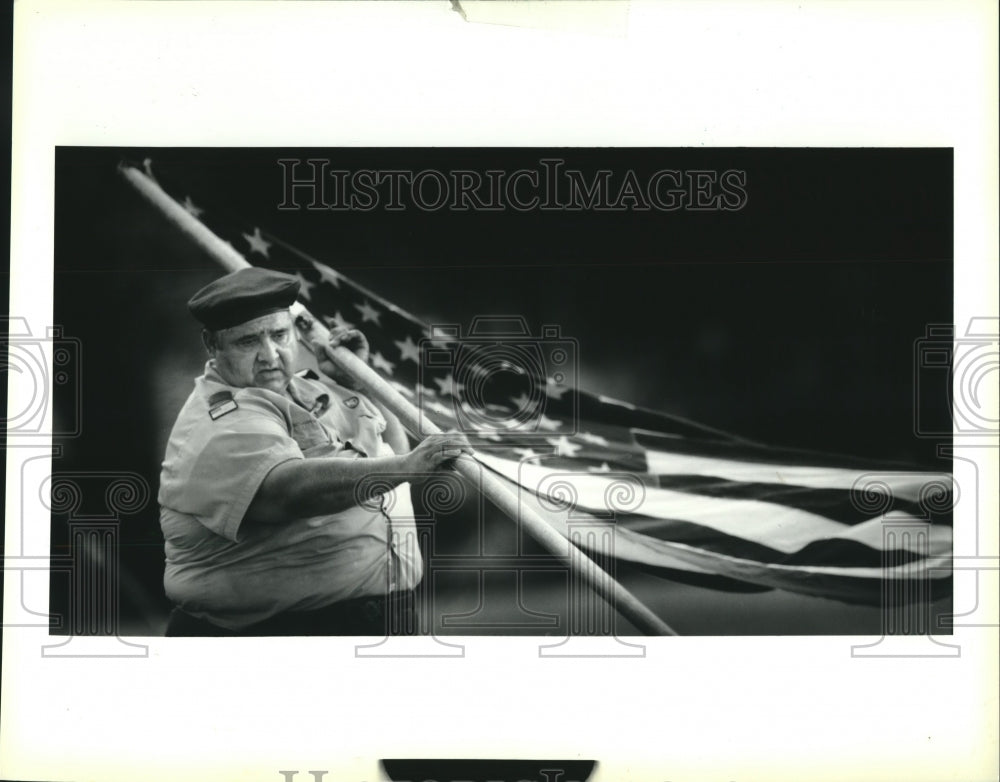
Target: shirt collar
{"x":309,"y":395}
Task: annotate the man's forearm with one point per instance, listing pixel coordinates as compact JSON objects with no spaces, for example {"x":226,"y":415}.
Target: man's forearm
{"x":301,"y":488}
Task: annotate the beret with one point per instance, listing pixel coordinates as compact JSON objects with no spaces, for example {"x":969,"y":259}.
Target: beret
{"x":243,"y":295}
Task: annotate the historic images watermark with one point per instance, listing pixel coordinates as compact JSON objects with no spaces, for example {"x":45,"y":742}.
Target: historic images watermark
{"x":964,"y":365}
{"x":500,"y":378}
{"x":316,"y":184}
{"x":28,"y":359}
{"x":36,"y":367}
{"x":586,"y":559}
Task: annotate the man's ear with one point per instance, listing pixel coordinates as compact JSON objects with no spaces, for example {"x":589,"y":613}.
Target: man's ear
{"x":208,"y":339}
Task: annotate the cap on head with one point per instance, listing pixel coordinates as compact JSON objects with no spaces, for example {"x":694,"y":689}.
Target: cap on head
{"x":241,"y":296}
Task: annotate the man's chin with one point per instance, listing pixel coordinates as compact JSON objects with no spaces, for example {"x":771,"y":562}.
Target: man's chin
{"x":276,"y":382}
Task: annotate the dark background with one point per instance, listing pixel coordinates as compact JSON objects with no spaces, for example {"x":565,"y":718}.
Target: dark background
{"x":792,"y":321}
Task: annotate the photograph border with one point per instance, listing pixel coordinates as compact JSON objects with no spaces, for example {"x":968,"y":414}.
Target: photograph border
{"x":761,"y":74}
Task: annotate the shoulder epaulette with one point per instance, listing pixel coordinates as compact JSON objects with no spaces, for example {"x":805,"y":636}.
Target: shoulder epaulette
{"x":221,"y":403}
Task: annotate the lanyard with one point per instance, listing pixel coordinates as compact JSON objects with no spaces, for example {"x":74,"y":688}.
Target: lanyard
{"x":393,"y":565}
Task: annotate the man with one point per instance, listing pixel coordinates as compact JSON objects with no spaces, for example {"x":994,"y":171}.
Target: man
{"x":267,"y":528}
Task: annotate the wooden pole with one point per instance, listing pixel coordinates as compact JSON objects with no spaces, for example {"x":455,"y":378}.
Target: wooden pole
{"x":313,"y":332}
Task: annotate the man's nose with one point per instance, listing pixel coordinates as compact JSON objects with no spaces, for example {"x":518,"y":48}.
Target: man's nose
{"x":268,"y":352}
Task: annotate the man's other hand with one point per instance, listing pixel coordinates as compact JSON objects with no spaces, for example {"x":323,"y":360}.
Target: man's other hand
{"x":354,"y":341}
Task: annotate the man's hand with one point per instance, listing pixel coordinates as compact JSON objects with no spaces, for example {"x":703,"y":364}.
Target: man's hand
{"x":350,"y":338}
{"x":436,"y":450}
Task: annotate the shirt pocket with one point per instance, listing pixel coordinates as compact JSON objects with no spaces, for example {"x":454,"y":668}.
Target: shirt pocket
{"x":309,"y":434}
{"x":369,"y":434}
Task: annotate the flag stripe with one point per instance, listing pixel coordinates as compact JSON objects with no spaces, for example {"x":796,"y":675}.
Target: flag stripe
{"x":840,"y":505}
{"x":782,"y":528}
{"x":909,"y":486}
{"x":845,"y":550}
{"x":841,"y":551}
{"x":858,"y":584}
{"x":751,"y":452}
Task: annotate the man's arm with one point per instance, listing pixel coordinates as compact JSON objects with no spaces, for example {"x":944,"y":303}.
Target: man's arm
{"x":301,"y":488}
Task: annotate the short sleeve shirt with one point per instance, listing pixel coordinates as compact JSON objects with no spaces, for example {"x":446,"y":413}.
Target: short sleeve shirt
{"x":224,"y":443}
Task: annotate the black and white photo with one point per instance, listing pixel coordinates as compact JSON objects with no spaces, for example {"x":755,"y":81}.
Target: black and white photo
{"x":693,"y":307}
{"x":708,"y":369}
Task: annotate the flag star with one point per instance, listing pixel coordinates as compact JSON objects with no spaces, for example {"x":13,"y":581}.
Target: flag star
{"x":194,"y":211}
{"x":603,"y":468}
{"x":554,"y":390}
{"x":563,"y":446}
{"x":257,"y":242}
{"x":611,"y":401}
{"x":523,"y":402}
{"x":305,"y":287}
{"x":548,"y":423}
{"x":339,"y":320}
{"x":424,"y":391}
{"x":328,"y":274}
{"x":410,"y":351}
{"x":593,"y":439}
{"x":443,"y":332}
{"x":507,"y":366}
{"x":526,"y":454}
{"x":368,"y":313}
{"x":448,"y":385}
{"x":381,"y":362}
{"x":402,"y":389}
{"x":469,"y":408}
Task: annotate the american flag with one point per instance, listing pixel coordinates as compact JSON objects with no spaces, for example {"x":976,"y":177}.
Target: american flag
{"x":682,"y":497}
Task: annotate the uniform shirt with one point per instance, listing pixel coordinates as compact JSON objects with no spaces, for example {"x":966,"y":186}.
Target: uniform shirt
{"x":224,"y":443}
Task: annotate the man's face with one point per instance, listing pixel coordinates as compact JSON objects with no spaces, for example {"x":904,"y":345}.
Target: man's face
{"x":257,"y":354}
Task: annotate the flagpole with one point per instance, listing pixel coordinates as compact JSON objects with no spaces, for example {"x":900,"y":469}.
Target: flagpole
{"x":314,"y":332}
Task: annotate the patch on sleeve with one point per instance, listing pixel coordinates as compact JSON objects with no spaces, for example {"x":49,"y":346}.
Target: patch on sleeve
{"x":352,"y":402}
{"x":220,"y":403}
